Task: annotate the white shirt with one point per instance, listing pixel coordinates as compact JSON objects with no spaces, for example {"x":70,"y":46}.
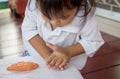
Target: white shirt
{"x":78,"y":31}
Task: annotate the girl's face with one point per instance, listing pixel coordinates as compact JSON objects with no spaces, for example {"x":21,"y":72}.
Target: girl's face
{"x":68,"y":16}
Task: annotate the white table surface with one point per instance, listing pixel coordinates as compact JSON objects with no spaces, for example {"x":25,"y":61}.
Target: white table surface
{"x":40,"y":73}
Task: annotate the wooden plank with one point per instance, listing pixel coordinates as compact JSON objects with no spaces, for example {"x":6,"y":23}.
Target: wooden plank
{"x":115,"y":44}
{"x":101,"y":62}
{"x":109,"y":38}
{"x":105,"y":49}
{"x":110,"y":73}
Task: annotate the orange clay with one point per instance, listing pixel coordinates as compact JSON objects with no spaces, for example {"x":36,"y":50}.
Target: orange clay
{"x":23,"y":66}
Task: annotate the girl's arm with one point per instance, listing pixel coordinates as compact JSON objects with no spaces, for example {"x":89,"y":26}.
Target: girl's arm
{"x":30,"y":33}
{"x":75,"y":49}
{"x":39,"y":45}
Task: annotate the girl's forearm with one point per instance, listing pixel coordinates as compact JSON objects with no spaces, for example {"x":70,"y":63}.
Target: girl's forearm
{"x":75,"y":49}
{"x":39,"y":45}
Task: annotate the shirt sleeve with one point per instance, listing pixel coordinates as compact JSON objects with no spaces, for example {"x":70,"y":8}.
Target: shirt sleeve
{"x":91,"y":39}
{"x":29,"y":25}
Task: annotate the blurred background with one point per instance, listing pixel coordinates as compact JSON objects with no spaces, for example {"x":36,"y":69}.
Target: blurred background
{"x":11,"y":17}
{"x":105,"y":62}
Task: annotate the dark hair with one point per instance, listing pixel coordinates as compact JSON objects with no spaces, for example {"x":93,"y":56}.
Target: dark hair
{"x":51,"y":8}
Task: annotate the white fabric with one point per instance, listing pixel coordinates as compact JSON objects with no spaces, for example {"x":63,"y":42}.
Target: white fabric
{"x":87,"y":34}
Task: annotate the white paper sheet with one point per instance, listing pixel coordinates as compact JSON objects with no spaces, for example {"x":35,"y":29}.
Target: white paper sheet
{"x":40,"y":73}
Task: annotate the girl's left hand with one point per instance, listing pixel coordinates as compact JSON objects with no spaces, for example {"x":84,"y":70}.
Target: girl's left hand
{"x":59,"y":58}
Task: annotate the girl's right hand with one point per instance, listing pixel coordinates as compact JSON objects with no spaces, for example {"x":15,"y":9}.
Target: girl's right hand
{"x":59,"y":58}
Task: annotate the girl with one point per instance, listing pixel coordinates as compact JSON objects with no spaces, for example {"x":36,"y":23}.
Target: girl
{"x":61,"y":32}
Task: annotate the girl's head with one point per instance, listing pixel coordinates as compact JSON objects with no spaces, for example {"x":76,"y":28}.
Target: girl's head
{"x":62,"y":12}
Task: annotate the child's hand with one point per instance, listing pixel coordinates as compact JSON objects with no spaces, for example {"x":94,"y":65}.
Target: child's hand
{"x":59,"y":58}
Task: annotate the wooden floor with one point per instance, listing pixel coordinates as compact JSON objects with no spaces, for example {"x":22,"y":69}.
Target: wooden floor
{"x":10,"y":35}
{"x":104,"y":65}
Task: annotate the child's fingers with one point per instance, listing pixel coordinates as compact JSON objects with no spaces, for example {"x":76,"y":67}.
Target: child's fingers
{"x":50,"y":59}
{"x":59,"y":61}
{"x":53,"y":62}
{"x":63,"y":68}
{"x":64,"y":63}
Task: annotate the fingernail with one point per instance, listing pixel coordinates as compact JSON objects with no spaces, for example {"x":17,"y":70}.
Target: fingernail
{"x":62,"y":69}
